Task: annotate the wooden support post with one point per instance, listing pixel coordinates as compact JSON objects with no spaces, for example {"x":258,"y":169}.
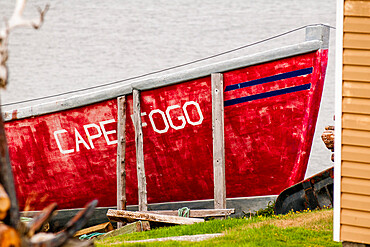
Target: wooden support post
{"x":141,"y":179}
{"x":121,"y":155}
{"x":218,"y":141}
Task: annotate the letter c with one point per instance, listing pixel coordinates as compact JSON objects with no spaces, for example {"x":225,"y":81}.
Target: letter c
{"x":58,"y":142}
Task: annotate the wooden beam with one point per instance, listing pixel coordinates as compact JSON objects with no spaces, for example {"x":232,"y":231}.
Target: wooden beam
{"x":218,"y":141}
{"x":102,"y":228}
{"x":141,"y":178}
{"x":123,"y":216}
{"x":198,"y":213}
{"x":121,"y":154}
{"x":138,"y":226}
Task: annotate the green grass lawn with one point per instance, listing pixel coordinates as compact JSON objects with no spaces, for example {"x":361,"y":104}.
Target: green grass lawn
{"x":295,"y":229}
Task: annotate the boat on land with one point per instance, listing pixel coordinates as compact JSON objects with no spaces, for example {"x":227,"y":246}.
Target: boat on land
{"x":65,"y":151}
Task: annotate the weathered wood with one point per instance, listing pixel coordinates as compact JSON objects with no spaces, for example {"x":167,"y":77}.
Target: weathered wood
{"x":40,"y":222}
{"x":102,"y":228}
{"x":141,"y":178}
{"x":4,"y":203}
{"x":7,"y":180}
{"x":138,"y":226}
{"x":122,"y":216}
{"x":218,"y":141}
{"x":121,"y":154}
{"x":198,"y":213}
{"x":9,"y":236}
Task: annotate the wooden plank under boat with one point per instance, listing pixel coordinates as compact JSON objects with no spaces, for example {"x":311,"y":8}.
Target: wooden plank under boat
{"x":65,"y":151}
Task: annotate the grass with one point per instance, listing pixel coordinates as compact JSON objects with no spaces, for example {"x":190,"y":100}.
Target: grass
{"x":295,"y":229}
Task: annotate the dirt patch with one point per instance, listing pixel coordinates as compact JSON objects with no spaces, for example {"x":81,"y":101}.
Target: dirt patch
{"x":313,"y":220}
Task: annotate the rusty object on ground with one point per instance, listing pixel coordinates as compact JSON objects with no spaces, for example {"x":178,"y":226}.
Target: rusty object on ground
{"x":315,"y":192}
{"x":328,"y":137}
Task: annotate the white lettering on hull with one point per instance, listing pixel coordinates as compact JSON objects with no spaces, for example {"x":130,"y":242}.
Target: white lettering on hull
{"x":100,"y":130}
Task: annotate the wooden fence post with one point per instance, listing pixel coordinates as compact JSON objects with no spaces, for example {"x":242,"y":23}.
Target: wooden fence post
{"x":141,"y":179}
{"x":218,"y":141}
{"x":121,"y":155}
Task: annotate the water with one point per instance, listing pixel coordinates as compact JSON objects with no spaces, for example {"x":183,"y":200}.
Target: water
{"x":87,"y":43}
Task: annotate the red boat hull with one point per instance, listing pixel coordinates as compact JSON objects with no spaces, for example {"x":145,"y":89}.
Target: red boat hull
{"x":69,"y":157}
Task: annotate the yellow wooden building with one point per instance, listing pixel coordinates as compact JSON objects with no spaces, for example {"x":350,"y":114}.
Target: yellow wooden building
{"x":352,"y":126}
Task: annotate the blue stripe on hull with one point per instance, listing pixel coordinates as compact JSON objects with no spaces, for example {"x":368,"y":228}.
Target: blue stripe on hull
{"x":267,"y":94}
{"x":282,"y":76}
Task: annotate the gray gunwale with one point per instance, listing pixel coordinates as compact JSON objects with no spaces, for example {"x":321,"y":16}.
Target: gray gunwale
{"x":166,"y":80}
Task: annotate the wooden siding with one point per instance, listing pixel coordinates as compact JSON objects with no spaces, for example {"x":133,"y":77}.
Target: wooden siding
{"x":355,"y":153}
{"x":356,"y":24}
{"x":356,"y":89}
{"x":356,"y":218}
{"x":355,"y":121}
{"x":355,"y":105}
{"x":356,"y":185}
{"x":356,"y":8}
{"x":356,"y":57}
{"x":356,"y":137}
{"x":355,"y":234}
{"x":356,"y":73}
{"x":356,"y":202}
{"x":355,"y":171}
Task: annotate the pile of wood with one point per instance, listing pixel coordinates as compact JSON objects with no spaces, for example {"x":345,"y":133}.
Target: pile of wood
{"x":138,"y":221}
{"x":328,"y":139}
{"x":30,"y":233}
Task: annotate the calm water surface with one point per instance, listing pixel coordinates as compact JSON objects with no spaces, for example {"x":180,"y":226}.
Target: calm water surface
{"x":88,"y":43}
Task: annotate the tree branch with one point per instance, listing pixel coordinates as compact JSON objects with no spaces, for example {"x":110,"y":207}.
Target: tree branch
{"x":16,"y":20}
